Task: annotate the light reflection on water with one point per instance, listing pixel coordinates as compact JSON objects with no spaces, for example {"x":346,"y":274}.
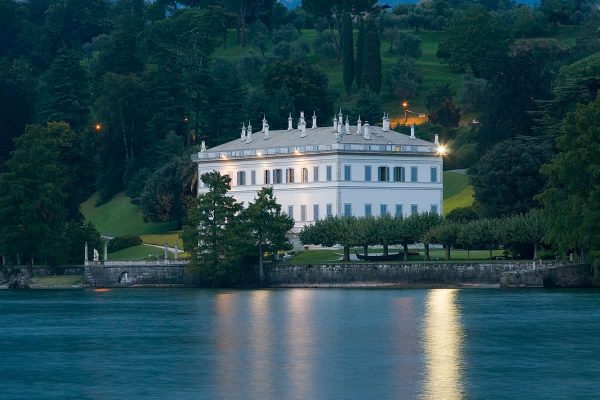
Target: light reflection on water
{"x":442,"y":344}
{"x":299,"y":344}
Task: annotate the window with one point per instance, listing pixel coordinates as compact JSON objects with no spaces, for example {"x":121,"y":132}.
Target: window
{"x":241,"y":178}
{"x":368,"y":210}
{"x":303,"y":213}
{"x":367,"y":173}
{"x":289,"y":175}
{"x":347,"y":173}
{"x":414,"y":209}
{"x":329,"y":210}
{"x":304,"y":175}
{"x":315,"y":174}
{"x":267,"y":177}
{"x":434,"y":208}
{"x":291,"y":211}
{"x":413,"y":174}
{"x":399,"y":174}
{"x":433,"y":174}
{"x":399,"y":213}
{"x":315,"y":212}
{"x":347,"y":210}
{"x":383,"y":209}
{"x":384,"y":174}
{"x":277,"y":176}
{"x":328,"y":173}
{"x":253,"y":177}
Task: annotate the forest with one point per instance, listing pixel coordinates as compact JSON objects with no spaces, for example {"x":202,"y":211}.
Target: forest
{"x":105,"y":98}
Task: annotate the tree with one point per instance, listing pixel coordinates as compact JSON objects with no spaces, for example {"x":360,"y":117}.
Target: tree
{"x":307,"y":87}
{"x":406,"y":44}
{"x":572,"y":197}
{"x":213,"y":234}
{"x":65,"y":91}
{"x":360,"y":43}
{"x":32,"y":212}
{"x":407,"y":232}
{"x":426,"y":222}
{"x":508,"y":177}
{"x":441,"y":108}
{"x":266,"y":225}
{"x":473,"y":38}
{"x":404,"y":78}
{"x":368,"y":106}
{"x":446,"y":234}
{"x":348,"y":51}
{"x":161,"y":199}
{"x":370,"y":57}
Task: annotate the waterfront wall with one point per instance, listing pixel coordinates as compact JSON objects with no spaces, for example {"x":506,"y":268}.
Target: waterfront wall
{"x":564,"y":276}
{"x":136,"y":274}
{"x":401,"y":274}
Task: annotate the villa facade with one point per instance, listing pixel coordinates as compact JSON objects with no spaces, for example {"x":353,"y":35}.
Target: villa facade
{"x":358,"y":170}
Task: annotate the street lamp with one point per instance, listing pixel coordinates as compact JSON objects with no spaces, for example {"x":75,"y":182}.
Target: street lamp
{"x":98,"y":127}
{"x":442,"y":150}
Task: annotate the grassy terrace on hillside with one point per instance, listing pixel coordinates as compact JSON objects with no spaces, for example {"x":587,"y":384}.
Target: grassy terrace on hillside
{"x":434,"y":72}
{"x":120,"y":217}
{"x":136,"y":253}
{"x":457,"y":191}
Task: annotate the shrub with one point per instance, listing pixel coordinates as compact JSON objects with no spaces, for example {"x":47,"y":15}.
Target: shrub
{"x":123,"y":242}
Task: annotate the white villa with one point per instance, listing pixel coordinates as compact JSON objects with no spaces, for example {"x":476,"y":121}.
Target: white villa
{"x":358,"y":170}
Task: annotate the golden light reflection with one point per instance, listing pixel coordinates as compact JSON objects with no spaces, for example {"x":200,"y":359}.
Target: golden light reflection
{"x":261,"y":343}
{"x":225,"y":338}
{"x":443,"y":342}
{"x":300,"y":343}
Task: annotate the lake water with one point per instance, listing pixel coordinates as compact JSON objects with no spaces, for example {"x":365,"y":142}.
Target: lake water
{"x":299,"y":344}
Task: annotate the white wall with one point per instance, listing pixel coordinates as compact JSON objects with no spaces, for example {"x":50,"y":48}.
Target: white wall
{"x":336,"y":192}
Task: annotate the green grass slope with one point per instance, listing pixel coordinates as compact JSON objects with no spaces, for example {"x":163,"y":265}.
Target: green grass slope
{"x":120,"y":217}
{"x":136,"y":253}
{"x":457,"y":191}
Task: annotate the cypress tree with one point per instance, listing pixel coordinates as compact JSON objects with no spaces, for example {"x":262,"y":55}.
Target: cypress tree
{"x":370,"y":57}
{"x":359,"y":52}
{"x":348,"y":51}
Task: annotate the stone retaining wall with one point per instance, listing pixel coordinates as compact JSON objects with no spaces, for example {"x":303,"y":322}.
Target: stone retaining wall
{"x":564,"y":276}
{"x":136,"y":275}
{"x":402,"y":274}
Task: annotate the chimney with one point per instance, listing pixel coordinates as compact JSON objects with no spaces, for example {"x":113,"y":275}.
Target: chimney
{"x":367,"y":134}
{"x":335,"y":124}
{"x":347,"y":127}
{"x":290,"y":122}
{"x":412,"y":131}
{"x":203,"y":147}
{"x":243,"y":135}
{"x":264,"y":122}
{"x":314,"y":124}
{"x":249,"y":133}
{"x":266,"y":130}
{"x":303,"y":130}
{"x":340,"y":118}
{"x":437,"y":139}
{"x":386,"y":123}
{"x":358,"y":126}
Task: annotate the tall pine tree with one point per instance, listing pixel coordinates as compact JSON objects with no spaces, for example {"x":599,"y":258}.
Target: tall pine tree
{"x":348,"y":51}
{"x":370,"y":57}
{"x":360,"y":44}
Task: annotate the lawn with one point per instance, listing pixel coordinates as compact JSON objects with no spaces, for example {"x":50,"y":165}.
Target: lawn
{"x":56,"y":280}
{"x":315,"y":256}
{"x":170,"y":238}
{"x":120,"y":217}
{"x":136,"y":253}
{"x":457,"y":191}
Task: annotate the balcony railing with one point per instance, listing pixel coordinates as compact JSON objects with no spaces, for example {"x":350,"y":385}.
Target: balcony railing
{"x":312,"y":149}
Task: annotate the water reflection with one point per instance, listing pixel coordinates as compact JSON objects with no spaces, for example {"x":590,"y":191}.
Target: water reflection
{"x":442,"y":345}
{"x":225,"y":342}
{"x":261,"y":344}
{"x":300,"y":343}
